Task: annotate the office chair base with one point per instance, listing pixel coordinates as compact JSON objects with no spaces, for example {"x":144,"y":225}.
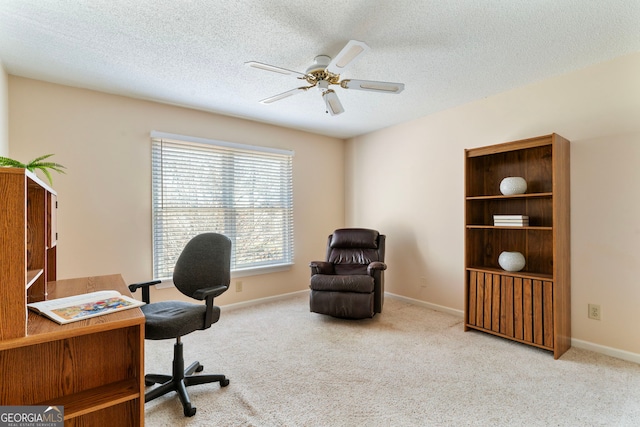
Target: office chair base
{"x":180,"y":380}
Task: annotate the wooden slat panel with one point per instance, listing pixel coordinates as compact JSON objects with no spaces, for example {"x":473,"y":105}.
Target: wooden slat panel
{"x":508,"y":303}
{"x":518,"y":328}
{"x":495,"y":306}
{"x":480,"y":300}
{"x":527,"y":310}
{"x":471,"y":307}
{"x":503,"y":308}
{"x":547,"y":291}
{"x":538,"y":321}
{"x":488,"y":295}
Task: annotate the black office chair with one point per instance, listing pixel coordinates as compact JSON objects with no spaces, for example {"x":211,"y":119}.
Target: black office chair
{"x":201,"y":272}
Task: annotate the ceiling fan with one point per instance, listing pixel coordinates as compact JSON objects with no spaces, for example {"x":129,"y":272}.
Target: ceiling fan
{"x":325,"y":72}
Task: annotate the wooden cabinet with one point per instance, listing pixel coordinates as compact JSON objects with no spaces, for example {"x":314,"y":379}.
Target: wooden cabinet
{"x":533,"y":305}
{"x":94,"y":368}
{"x":28,"y":244}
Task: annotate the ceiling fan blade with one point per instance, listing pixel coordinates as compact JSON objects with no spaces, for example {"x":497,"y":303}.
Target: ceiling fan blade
{"x":284,"y":95}
{"x":346,"y":56}
{"x":332,"y":102}
{"x":372,"y":85}
{"x":267,"y":67}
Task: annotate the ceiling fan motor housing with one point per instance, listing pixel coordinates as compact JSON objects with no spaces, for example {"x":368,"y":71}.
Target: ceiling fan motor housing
{"x":320,"y":63}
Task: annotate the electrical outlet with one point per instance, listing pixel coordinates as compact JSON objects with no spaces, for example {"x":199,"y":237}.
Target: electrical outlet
{"x":238,"y":286}
{"x":594,"y":311}
{"x":423,"y":282}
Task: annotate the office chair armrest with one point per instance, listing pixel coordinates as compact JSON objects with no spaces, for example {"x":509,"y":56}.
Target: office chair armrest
{"x":321,"y":267}
{"x":208,"y":294}
{"x":212,"y":292}
{"x":374,"y":266}
{"x":145,"y":289}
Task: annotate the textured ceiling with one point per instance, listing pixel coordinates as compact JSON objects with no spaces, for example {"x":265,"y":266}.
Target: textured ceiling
{"x":191,"y":53}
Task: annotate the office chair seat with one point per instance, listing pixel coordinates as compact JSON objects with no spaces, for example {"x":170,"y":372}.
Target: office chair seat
{"x":170,"y":319}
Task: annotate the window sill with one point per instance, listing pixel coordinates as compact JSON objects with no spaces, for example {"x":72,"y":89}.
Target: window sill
{"x":255,"y":271}
{"x":167,"y":282}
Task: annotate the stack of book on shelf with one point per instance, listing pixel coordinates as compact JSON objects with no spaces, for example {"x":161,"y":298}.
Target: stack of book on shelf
{"x":510,"y":220}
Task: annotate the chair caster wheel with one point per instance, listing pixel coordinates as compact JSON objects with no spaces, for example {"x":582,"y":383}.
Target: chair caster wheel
{"x":224,"y":383}
{"x":199,"y":368}
{"x":189,"y":411}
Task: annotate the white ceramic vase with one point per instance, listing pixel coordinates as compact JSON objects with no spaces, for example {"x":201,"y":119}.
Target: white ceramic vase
{"x":513,"y":185}
{"x":511,"y":261}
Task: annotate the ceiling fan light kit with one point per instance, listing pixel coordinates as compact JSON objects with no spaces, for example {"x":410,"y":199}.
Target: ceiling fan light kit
{"x":326,"y":71}
{"x":334,"y":106}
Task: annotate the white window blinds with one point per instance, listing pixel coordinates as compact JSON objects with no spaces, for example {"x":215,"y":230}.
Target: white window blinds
{"x":243,"y":192}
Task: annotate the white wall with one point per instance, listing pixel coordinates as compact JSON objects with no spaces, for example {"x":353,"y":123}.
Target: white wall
{"x":4,"y":112}
{"x":104,"y":215}
{"x":417,"y":197}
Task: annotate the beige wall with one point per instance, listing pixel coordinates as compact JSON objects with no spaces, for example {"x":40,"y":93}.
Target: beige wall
{"x":4,"y":112}
{"x":417,"y":198}
{"x":105,"y":198}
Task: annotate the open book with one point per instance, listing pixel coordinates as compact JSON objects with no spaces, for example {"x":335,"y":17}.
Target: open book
{"x":84,"y":306}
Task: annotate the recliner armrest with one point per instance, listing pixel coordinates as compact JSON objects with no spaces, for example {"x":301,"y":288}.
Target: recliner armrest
{"x":321,"y":267}
{"x":374,"y":266}
{"x":145,"y":289}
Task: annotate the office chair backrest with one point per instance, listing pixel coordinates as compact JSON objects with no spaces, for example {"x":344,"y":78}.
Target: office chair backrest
{"x":204,"y":262}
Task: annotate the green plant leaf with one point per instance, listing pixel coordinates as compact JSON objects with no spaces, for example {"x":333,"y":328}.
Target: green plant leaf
{"x":37,"y":159}
{"x":55,"y":166}
{"x":5,"y":161}
{"x":47,"y":174}
{"x":34,"y":164}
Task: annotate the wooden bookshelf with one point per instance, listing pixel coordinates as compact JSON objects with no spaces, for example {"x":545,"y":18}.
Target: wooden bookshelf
{"x":94,"y":368}
{"x":532,"y":306}
{"x":28,"y":246}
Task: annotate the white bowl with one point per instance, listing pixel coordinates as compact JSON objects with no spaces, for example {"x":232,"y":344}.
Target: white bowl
{"x":511,"y":261}
{"x":513,"y":185}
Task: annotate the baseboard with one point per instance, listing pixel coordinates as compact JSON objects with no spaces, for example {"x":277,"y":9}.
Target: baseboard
{"x":257,"y":301}
{"x":609,"y":351}
{"x":586,"y":345}
{"x":421,"y":303}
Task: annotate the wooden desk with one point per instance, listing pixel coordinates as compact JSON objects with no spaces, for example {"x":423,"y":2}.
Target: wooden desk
{"x":94,"y":367}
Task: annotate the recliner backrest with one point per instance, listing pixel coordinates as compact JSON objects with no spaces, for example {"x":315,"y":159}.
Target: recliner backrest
{"x":351,"y":250}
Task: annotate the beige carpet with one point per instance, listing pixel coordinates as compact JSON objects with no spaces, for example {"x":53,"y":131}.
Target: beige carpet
{"x":410,"y":366}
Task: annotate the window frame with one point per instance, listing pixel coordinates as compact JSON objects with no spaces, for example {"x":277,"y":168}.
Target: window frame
{"x":233,"y":149}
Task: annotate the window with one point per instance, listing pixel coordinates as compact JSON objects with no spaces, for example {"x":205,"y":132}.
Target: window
{"x":244,"y":192}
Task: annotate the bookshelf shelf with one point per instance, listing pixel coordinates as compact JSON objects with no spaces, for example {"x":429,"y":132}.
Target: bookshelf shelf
{"x":527,"y":227}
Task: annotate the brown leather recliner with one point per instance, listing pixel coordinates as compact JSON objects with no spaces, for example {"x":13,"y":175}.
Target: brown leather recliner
{"x":350,"y":283}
